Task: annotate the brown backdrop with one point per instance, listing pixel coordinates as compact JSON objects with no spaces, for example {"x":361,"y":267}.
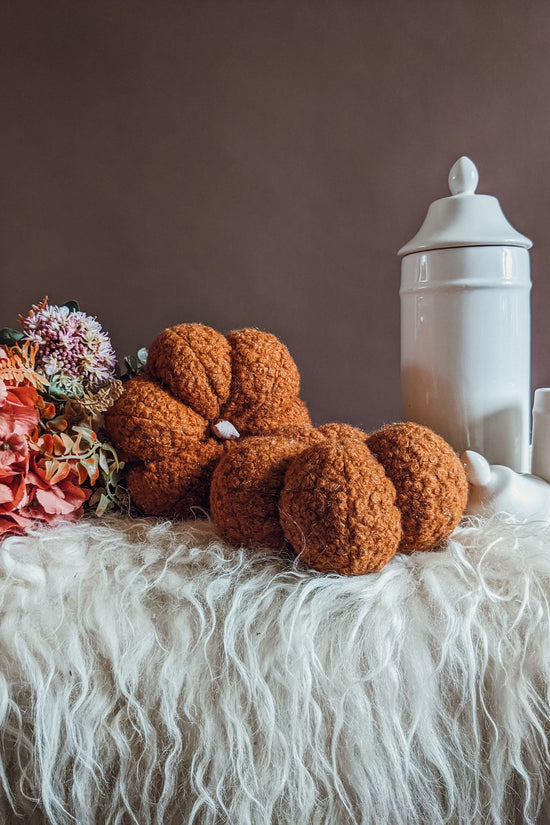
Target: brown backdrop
{"x":260,"y":163}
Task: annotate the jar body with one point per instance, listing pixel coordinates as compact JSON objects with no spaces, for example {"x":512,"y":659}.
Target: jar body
{"x":466,"y":348}
{"x":541,"y":434}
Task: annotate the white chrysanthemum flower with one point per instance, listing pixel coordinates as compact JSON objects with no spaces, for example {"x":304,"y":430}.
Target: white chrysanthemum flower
{"x":72,"y":343}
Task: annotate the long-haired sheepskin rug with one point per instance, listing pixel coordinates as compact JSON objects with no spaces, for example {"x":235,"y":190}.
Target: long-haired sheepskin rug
{"x":152,"y":675}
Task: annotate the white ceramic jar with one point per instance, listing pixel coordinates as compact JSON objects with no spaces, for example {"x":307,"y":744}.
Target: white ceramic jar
{"x":541,"y":434}
{"x":465,"y":325}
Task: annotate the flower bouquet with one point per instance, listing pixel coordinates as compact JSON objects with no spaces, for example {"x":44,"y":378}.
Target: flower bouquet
{"x":57,"y":378}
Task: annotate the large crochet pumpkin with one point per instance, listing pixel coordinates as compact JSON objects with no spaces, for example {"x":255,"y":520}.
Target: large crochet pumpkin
{"x":199,"y":389}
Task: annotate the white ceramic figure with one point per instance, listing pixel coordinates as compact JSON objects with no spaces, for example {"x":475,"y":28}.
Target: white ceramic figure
{"x":498,"y":489}
{"x":465,"y":325}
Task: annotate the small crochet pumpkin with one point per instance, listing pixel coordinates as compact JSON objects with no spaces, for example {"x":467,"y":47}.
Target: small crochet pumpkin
{"x":247,"y":483}
{"x":337,"y":508}
{"x":346,"y":502}
{"x":429,"y":479}
{"x":199,"y":389}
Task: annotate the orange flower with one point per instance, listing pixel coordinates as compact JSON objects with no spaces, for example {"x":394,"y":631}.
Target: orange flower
{"x":18,"y":418}
{"x":32,"y":485}
{"x":14,"y":462}
{"x":57,"y":494}
{"x":18,"y":413}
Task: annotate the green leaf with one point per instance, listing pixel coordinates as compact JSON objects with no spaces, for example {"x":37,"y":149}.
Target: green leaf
{"x":110,"y":450}
{"x":104,"y":504}
{"x":135,"y":364}
{"x":91,"y":465}
{"x":131,"y":363}
{"x":72,"y":306}
{"x":87,"y":433}
{"x":9,"y":336}
{"x":103,"y":463}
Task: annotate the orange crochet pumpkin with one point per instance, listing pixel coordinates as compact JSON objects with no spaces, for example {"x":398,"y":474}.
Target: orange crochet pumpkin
{"x":337,"y":508}
{"x":346,"y":502}
{"x":247,"y":483}
{"x":200,"y":388}
{"x":429,"y":479}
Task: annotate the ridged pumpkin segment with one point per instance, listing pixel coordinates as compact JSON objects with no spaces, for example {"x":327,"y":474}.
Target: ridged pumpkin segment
{"x":193,"y":360}
{"x":147,"y":422}
{"x":177,"y":486}
{"x":264,"y":380}
{"x":429,"y":479}
{"x":289,"y":416}
{"x":337,"y":508}
{"x":246,"y":485}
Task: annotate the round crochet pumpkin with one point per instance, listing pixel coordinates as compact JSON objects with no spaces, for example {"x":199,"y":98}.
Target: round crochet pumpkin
{"x":248,"y":480}
{"x":429,"y":479}
{"x":337,"y":508}
{"x":199,"y":389}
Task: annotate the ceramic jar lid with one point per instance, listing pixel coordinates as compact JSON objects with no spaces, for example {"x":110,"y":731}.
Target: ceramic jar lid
{"x":464,"y":218}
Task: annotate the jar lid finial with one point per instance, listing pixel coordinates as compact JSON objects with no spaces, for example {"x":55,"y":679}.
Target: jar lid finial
{"x":463,"y":177}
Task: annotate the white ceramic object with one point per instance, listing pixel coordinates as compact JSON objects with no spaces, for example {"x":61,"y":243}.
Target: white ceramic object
{"x":541,"y":434}
{"x":465,"y":325}
{"x":498,"y":489}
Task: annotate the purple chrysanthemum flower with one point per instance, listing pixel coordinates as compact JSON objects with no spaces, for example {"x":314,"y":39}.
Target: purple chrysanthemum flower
{"x":72,"y":343}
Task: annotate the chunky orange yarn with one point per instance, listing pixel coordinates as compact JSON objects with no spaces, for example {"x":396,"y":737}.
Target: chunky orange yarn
{"x":245,"y":489}
{"x":247,"y":483}
{"x":164,"y":423}
{"x":344,"y":501}
{"x":342,"y":508}
{"x":337,"y":508}
{"x":429,"y":479}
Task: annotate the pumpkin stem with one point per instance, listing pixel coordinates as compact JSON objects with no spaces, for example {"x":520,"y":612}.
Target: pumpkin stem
{"x":225,"y":430}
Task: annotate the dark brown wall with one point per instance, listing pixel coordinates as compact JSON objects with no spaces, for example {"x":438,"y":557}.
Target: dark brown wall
{"x":260,"y":164}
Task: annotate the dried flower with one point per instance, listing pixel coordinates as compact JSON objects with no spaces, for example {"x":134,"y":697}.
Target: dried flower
{"x":57,"y":493}
{"x":64,"y":385}
{"x":96,"y":403}
{"x":18,"y":419}
{"x":56,"y":381}
{"x":18,"y":366}
{"x":18,"y":413}
{"x":70,"y":342}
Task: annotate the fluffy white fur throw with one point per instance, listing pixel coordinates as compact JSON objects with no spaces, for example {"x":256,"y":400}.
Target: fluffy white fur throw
{"x":152,"y":674}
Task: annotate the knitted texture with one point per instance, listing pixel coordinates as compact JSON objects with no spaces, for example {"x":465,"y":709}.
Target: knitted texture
{"x":264,"y":381}
{"x":194,"y":361}
{"x":341,"y":431}
{"x":292,"y":415}
{"x":247,"y":483}
{"x":429,"y":479}
{"x":147,"y":422}
{"x":335,"y":504}
{"x":337,"y":508}
{"x":185,"y":480}
{"x":245,"y":489}
{"x":163,"y":423}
